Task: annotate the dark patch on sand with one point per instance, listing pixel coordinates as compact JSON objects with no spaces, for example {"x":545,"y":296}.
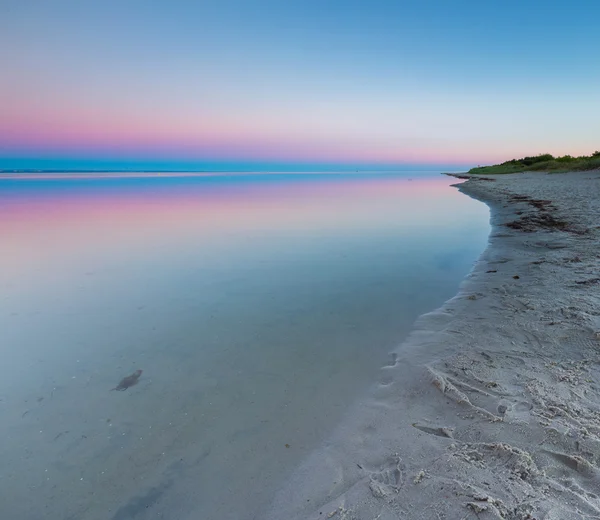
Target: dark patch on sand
{"x":138,"y":506}
{"x":591,"y":281}
{"x":128,"y":381}
{"x":471,"y":177}
{"x":533,"y":223}
{"x":543,"y":219}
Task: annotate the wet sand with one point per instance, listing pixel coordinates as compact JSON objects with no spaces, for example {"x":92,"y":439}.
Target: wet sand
{"x":491,"y":408}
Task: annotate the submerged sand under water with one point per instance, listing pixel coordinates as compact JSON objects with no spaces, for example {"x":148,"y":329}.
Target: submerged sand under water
{"x":256,"y":323}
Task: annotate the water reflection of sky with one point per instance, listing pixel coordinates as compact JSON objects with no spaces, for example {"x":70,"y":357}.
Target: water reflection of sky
{"x":54,"y":221}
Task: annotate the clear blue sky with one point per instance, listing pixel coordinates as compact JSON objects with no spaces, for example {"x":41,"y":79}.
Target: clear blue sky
{"x":241,"y":83}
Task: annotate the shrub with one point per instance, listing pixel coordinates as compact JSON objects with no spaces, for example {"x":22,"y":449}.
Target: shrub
{"x":544,"y":162}
{"x":528,"y":161}
{"x":541,"y":166}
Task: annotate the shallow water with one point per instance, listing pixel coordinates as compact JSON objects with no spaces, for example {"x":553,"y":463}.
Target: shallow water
{"x":258,"y":307}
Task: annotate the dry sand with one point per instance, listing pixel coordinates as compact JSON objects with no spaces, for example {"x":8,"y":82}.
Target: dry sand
{"x":491,"y":408}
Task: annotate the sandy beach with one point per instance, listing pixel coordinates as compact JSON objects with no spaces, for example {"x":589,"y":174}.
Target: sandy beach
{"x":491,"y":408}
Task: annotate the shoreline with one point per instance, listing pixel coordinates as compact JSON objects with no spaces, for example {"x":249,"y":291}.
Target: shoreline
{"x":489,"y":409}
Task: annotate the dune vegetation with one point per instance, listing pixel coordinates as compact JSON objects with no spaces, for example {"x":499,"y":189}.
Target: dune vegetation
{"x":543,"y":163}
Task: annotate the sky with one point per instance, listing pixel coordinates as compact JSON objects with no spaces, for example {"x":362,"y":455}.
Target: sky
{"x":278,"y":84}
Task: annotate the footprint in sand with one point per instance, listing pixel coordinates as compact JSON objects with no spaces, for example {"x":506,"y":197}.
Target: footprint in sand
{"x":439,"y":431}
{"x":389,"y":479}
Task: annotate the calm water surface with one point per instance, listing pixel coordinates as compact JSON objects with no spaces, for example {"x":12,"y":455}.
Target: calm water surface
{"x":258,"y":307}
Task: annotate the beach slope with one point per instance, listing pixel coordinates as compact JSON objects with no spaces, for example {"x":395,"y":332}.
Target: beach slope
{"x":491,"y":408}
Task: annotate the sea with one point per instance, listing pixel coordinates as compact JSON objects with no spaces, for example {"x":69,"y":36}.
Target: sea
{"x":258,"y":308}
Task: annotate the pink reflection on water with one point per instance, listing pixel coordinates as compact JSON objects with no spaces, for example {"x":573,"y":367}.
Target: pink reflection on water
{"x":60,"y":228}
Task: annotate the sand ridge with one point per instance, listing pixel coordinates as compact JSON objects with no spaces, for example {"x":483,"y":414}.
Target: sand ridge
{"x":491,"y":408}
